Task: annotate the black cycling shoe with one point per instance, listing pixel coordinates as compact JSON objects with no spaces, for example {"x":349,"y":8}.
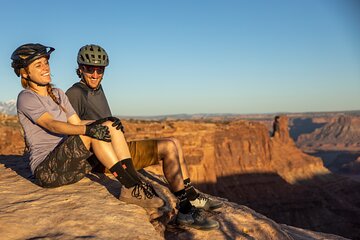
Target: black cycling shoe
{"x":196,"y":219}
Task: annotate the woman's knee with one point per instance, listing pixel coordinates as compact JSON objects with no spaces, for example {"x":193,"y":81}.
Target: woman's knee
{"x":109,"y":124}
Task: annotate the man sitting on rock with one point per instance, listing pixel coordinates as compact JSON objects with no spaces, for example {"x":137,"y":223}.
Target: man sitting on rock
{"x":89,"y":101}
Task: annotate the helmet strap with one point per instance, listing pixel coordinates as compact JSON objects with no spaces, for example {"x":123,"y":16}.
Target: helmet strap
{"x":38,"y":84}
{"x":29,"y":79}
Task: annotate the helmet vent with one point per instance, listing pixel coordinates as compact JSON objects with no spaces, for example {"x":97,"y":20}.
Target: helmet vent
{"x":93,"y":55}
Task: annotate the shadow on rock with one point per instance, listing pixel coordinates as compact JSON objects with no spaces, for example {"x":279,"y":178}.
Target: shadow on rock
{"x":339,"y":161}
{"x":113,"y":186}
{"x":19,"y":164}
{"x":326,"y":203}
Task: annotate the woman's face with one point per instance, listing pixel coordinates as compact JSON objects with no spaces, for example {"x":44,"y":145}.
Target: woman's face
{"x":39,"y":71}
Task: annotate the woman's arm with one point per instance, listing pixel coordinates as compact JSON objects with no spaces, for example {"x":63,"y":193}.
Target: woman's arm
{"x":71,"y":128}
{"x":74,"y":119}
{"x":92,"y":130}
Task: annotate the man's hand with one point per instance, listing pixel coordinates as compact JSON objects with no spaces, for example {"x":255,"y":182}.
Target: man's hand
{"x":116,"y":122}
{"x":98,"y":131}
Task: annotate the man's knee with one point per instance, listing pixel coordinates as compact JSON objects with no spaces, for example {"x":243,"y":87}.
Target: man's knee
{"x":174,"y":141}
{"x":169,"y":147}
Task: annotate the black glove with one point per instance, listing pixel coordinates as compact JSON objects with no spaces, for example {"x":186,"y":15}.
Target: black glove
{"x":98,"y":131}
{"x":116,"y":122}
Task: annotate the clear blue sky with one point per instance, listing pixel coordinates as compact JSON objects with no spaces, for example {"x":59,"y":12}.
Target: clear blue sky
{"x":198,"y":56}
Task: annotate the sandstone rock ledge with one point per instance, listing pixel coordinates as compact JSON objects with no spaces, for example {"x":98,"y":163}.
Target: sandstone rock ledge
{"x":90,"y":209}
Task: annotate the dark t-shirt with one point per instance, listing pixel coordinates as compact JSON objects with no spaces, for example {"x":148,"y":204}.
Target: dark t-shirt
{"x":89,"y":104}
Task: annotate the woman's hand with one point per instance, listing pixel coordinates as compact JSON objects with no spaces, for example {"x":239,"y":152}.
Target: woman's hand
{"x":98,"y":131}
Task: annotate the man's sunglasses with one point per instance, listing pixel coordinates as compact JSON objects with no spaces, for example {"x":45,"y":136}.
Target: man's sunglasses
{"x":92,"y":69}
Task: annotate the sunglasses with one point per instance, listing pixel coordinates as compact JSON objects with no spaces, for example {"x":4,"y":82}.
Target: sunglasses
{"x":92,"y":69}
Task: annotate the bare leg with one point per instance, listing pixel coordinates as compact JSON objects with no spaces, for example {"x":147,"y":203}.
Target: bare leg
{"x":169,"y":153}
{"x":184,"y":169}
{"x":109,"y":153}
{"x":118,"y":142}
{"x":166,"y":145}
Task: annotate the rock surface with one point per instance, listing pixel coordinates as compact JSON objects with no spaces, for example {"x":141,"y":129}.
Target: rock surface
{"x":89,"y":209}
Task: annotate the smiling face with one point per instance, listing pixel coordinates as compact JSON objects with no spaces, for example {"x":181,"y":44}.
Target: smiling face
{"x":92,"y":75}
{"x":39,"y":71}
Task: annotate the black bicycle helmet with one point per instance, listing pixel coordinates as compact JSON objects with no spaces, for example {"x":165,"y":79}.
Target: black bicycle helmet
{"x":27,"y":53}
{"x":93,"y":55}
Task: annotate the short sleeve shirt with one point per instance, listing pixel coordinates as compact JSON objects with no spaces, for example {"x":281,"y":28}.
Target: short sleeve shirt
{"x":30,"y":107}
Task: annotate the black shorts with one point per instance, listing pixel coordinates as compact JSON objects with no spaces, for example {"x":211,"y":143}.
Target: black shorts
{"x":66,"y":164}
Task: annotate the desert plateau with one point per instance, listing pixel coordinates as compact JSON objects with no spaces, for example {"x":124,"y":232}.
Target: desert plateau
{"x":280,"y":187}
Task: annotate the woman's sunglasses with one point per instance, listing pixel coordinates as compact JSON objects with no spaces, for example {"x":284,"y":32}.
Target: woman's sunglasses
{"x":92,"y":69}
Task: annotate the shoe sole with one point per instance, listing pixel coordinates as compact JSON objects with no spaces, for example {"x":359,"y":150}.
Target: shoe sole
{"x":198,"y":227}
{"x":210,"y":208}
{"x":206,"y":208}
{"x":216,"y":207}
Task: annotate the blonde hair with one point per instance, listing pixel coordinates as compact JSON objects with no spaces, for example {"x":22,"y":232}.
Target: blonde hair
{"x":24,"y":81}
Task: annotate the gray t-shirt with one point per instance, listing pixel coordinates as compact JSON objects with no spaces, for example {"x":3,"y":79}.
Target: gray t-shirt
{"x":30,"y":107}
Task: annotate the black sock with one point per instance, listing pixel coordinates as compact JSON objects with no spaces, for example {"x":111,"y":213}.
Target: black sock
{"x":184,"y":203}
{"x":129,"y":167}
{"x":191,"y":193}
{"x":121,"y":175}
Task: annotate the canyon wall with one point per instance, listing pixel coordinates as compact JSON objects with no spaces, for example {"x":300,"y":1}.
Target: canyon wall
{"x":239,"y":161}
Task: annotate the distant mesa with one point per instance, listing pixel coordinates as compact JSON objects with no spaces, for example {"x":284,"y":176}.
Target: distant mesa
{"x":341,"y":133}
{"x":335,"y":139}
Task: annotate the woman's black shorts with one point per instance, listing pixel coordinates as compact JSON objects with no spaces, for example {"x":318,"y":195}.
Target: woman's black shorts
{"x":66,"y":164}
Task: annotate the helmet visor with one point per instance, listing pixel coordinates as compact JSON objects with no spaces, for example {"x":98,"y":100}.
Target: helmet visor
{"x":44,"y":52}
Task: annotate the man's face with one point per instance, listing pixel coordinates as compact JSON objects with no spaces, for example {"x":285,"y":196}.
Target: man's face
{"x":39,"y":71}
{"x":92,"y":75}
